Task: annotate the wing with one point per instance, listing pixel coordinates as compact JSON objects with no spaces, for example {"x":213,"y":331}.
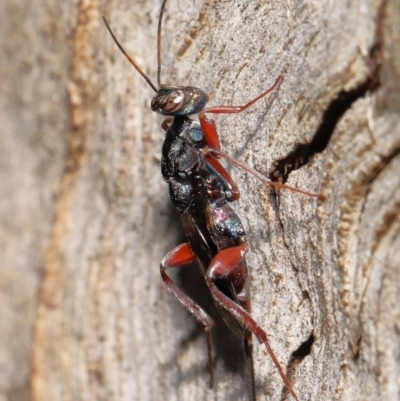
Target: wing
{"x":205,"y":249}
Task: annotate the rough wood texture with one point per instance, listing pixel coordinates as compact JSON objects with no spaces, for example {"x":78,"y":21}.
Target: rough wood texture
{"x":86,"y":217}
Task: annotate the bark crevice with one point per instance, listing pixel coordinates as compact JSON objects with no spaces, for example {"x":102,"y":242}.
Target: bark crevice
{"x":302,"y":153}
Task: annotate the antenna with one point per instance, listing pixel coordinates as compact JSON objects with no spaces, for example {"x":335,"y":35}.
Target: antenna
{"x":138,"y":69}
{"x":159,"y":44}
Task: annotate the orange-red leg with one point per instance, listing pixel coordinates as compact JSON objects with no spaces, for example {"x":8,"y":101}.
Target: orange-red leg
{"x":208,"y":125}
{"x":224,"y":174}
{"x":167,"y":123}
{"x":238,"y":109}
{"x":209,"y":130}
{"x":223,"y":265}
{"x":181,"y":256}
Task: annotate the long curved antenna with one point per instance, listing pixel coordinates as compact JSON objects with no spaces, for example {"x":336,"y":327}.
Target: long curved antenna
{"x":130,"y":58}
{"x":262,"y":178}
{"x":159,"y":44}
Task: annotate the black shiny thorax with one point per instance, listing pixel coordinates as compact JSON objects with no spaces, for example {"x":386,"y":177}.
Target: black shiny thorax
{"x":196,"y":188}
{"x":183,"y":160}
{"x":182,"y":146}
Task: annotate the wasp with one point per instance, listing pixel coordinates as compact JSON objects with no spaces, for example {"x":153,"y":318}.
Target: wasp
{"x":202,"y":191}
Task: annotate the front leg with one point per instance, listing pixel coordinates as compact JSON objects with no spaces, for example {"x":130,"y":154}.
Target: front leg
{"x":208,"y":125}
{"x":167,"y":123}
{"x":181,"y":256}
{"x":223,"y":266}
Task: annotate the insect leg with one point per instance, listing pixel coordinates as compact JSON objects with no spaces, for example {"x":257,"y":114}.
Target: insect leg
{"x":209,"y":130}
{"x":224,"y":174}
{"x":180,"y":256}
{"x":222,"y":266}
{"x":258,"y":175}
{"x":167,"y":123}
{"x":238,"y":109}
{"x":208,"y":125}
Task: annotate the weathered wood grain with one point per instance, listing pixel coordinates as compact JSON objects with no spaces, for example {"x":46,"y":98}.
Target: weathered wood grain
{"x":86,"y":217}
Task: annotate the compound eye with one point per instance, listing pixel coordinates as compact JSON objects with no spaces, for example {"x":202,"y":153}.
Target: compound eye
{"x":179,"y":101}
{"x":174,"y":101}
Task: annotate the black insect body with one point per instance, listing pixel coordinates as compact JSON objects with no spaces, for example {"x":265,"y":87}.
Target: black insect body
{"x":202,"y":191}
{"x":202,"y":195}
{"x":183,"y":161}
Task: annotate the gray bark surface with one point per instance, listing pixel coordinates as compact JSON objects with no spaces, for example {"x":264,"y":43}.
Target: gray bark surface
{"x":86,"y":218}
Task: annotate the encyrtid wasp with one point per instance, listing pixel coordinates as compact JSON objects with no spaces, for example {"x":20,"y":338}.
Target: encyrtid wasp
{"x":202,"y":191}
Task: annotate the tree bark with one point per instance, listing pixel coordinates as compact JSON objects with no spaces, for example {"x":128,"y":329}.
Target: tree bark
{"x":87,"y":218}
